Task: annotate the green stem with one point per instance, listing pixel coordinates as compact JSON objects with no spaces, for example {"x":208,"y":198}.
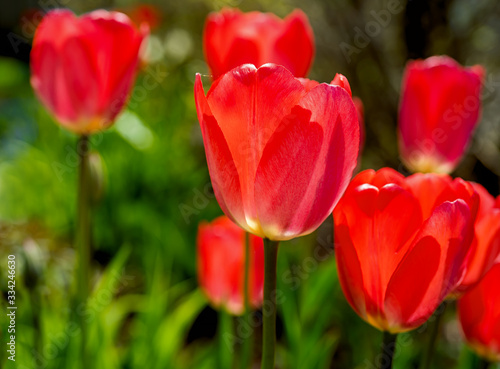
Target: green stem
{"x":269,"y":317}
{"x":37,"y":335}
{"x":83,"y":241}
{"x":388,"y":349}
{"x":434,"y":332}
{"x":226,"y":342}
{"x":247,"y":349}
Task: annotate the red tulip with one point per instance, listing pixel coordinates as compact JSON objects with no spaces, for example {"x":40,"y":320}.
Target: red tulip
{"x":479,"y":316}
{"x":221,"y":265}
{"x":486,"y":245}
{"x":279,"y":155}
{"x":397,"y":257}
{"x":440,"y":107}
{"x":232,"y":38}
{"x":83,"y":68}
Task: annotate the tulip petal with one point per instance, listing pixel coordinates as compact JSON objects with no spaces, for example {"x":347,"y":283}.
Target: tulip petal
{"x":218,"y":245}
{"x":250,"y":103}
{"x":377,"y":178}
{"x":243,"y":51}
{"x":432,"y":267}
{"x":221,"y":243}
{"x":349,"y":268}
{"x":340,"y":80}
{"x":285,"y":172}
{"x":297,"y":35}
{"x":118,"y":70}
{"x":427,"y":188}
{"x":295,"y":191}
{"x":486,"y":249}
{"x":380,"y":246}
{"x":48,"y":75}
{"x":407,"y":288}
{"x":479,"y":316}
{"x":256,"y":275}
{"x":385,"y":176}
{"x":223,"y":172}
{"x":82,"y":87}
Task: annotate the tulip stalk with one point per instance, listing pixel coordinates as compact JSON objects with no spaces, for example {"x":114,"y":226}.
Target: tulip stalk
{"x":269,"y":317}
{"x":388,"y":349}
{"x":434,"y":326}
{"x":226,"y":342}
{"x":83,"y":239}
{"x":35,"y":301}
{"x":246,"y":353}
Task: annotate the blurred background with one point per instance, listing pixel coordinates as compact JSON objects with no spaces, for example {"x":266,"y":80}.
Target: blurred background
{"x":153,"y":189}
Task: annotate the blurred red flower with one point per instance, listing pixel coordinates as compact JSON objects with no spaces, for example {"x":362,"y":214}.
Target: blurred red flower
{"x":479,"y":316}
{"x":279,"y":155}
{"x":221,"y":265}
{"x":144,"y":13}
{"x":439,"y":109}
{"x":232,"y":38}
{"x":399,"y":254}
{"x":83,"y":68}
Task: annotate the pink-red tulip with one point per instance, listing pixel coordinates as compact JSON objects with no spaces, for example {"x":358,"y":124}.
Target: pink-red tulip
{"x":221,"y":265}
{"x":232,"y":38}
{"x":341,"y":80}
{"x":279,"y":155}
{"x":439,"y":109}
{"x":479,"y":316}
{"x":83,"y":68}
{"x":398,"y":257}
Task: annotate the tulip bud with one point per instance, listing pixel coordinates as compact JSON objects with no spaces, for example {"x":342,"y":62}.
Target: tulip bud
{"x":232,"y":38}
{"x":440,"y":107}
{"x":83,"y":68}
{"x":221,"y":265}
